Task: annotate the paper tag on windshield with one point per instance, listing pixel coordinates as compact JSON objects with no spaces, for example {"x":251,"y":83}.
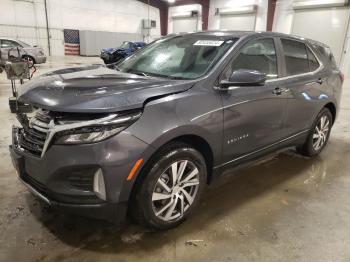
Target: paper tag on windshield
{"x":208,"y":43}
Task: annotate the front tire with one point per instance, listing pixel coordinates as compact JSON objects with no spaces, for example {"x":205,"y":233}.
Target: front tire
{"x":170,"y":188}
{"x":319,"y":134}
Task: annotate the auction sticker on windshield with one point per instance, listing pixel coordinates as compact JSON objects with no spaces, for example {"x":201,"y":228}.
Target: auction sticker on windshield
{"x":208,"y":43}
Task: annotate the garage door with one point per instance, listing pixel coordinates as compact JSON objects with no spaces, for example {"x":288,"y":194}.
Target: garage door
{"x":244,"y":22}
{"x":185,"y":24}
{"x":325,"y":25}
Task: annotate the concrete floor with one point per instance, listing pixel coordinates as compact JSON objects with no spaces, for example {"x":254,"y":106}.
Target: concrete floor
{"x":282,"y":208}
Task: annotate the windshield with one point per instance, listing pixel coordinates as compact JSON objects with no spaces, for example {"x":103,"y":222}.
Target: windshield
{"x":23,"y":44}
{"x":181,"y":57}
{"x":125,"y":45}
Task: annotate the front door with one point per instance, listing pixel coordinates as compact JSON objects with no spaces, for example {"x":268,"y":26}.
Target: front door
{"x":253,"y":115}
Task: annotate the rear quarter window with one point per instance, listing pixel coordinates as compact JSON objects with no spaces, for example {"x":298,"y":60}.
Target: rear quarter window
{"x":313,"y":63}
{"x":327,"y":53}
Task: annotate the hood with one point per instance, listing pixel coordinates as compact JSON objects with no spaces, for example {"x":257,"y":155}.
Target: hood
{"x":112,"y":50}
{"x":95,"y":89}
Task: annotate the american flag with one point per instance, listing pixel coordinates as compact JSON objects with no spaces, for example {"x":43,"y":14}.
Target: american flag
{"x":71,"y":42}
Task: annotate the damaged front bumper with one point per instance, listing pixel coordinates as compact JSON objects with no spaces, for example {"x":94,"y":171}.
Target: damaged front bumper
{"x":63,"y":177}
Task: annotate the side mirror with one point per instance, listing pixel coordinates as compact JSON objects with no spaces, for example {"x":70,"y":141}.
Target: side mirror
{"x":244,"y":77}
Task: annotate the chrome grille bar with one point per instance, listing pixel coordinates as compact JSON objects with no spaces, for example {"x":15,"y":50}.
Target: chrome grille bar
{"x":39,"y":129}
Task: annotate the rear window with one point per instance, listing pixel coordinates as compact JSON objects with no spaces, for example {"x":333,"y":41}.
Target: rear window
{"x":295,"y":54}
{"x":298,"y":57}
{"x":327,"y":53}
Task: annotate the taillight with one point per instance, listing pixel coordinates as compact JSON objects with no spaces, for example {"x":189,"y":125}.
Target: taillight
{"x":341,"y":75}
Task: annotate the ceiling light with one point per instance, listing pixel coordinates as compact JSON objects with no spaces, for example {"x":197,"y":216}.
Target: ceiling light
{"x":171,"y":1}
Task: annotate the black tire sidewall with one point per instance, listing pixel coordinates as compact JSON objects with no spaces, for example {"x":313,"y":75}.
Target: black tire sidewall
{"x":159,"y":166}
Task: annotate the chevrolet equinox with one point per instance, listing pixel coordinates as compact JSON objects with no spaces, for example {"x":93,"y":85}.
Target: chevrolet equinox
{"x":143,"y":137}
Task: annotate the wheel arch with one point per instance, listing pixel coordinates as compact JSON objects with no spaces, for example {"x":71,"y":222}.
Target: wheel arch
{"x":194,"y":140}
{"x":331,"y":106}
{"x":201,"y":145}
{"x":28,"y":55}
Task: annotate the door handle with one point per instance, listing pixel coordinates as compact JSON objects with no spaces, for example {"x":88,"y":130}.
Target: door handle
{"x":279,"y":90}
{"x":319,"y":81}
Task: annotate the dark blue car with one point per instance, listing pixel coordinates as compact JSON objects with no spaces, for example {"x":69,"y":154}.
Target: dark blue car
{"x":112,"y":55}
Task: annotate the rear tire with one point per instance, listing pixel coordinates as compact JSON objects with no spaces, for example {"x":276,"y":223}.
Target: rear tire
{"x":319,"y":134}
{"x":170,"y":187}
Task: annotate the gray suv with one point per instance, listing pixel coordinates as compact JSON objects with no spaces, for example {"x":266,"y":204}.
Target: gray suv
{"x":145,"y":137}
{"x":33,"y":54}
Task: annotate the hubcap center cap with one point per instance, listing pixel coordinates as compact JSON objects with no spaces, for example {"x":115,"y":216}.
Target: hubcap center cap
{"x":176,"y":189}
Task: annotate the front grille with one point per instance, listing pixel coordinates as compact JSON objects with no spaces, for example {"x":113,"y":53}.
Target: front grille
{"x":32,"y":136}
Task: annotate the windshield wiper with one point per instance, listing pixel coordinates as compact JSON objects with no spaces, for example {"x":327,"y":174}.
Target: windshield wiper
{"x":176,"y":77}
{"x":141,"y":73}
{"x":166,"y":76}
{"x":113,"y":66}
{"x":136,"y":72}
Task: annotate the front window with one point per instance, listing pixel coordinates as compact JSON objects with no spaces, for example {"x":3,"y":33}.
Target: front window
{"x":181,"y":57}
{"x":9,"y":44}
{"x":258,"y":54}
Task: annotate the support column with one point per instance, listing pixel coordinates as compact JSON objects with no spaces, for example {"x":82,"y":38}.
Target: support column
{"x":205,"y":14}
{"x":270,"y":14}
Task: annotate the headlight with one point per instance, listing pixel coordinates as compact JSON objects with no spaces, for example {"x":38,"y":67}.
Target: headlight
{"x":92,"y":131}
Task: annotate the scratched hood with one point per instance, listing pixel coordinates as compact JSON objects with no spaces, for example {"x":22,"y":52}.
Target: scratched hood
{"x":95,"y":89}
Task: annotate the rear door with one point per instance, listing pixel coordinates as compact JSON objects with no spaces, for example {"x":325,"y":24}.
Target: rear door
{"x":253,"y":115}
{"x":304,"y":80}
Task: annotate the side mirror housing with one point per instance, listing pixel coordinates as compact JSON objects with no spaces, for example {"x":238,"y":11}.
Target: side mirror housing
{"x":244,"y":77}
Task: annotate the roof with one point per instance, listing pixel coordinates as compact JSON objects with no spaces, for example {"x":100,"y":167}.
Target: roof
{"x":229,"y":34}
{"x":7,"y":38}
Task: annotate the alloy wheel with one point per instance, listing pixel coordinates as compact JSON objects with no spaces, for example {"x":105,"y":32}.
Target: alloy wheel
{"x":320,"y":134}
{"x":30,"y":61}
{"x":175,"y":190}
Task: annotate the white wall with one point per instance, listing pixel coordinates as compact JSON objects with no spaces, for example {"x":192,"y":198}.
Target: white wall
{"x":261,"y":16}
{"x":283,"y":19}
{"x":184,"y":8}
{"x":283,"y":23}
{"x":25,"y":19}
